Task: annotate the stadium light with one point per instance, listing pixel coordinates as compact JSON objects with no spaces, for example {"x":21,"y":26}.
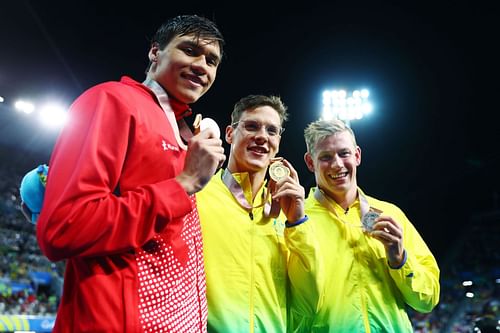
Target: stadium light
{"x":24,"y":106}
{"x":53,"y":115}
{"x":2,"y":99}
{"x":346,"y":107}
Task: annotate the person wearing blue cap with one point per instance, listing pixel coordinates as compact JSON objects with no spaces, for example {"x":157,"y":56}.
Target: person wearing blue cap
{"x":32,"y":192}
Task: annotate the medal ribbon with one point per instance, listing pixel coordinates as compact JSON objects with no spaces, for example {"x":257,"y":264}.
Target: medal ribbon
{"x":179,"y":125}
{"x":325,"y":201}
{"x":235,"y":188}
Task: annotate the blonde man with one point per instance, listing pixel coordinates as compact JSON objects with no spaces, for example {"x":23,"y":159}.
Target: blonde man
{"x":375,"y":261}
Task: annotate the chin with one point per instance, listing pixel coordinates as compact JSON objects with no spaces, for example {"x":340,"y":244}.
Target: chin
{"x":257,"y":166}
{"x":189,"y":99}
{"x":188,"y":96}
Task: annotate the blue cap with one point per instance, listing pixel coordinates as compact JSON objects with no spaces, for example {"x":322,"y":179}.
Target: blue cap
{"x":32,"y":191}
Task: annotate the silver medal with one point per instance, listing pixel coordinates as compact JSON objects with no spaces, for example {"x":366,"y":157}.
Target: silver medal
{"x":368,"y":220}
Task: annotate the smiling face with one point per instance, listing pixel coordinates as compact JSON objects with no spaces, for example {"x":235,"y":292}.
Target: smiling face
{"x":186,"y":68}
{"x":252,"y":148}
{"x":334,"y":162}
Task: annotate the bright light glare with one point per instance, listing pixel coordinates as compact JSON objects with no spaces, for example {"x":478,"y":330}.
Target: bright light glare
{"x":469,"y":295}
{"x":467,"y":283}
{"x":53,"y":115}
{"x":367,"y":108}
{"x":327,"y":112}
{"x":339,"y":104}
{"x":24,"y":106}
{"x":2,"y":99}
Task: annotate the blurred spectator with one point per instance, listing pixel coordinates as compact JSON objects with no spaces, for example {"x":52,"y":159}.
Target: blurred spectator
{"x":20,"y":257}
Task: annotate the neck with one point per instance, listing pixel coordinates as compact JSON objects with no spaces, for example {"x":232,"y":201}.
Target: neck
{"x":180,"y":109}
{"x":345,"y":199}
{"x":256,"y":178}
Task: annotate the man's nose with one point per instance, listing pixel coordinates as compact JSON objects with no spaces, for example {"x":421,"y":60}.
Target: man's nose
{"x":199,"y":65}
{"x":337,"y":161}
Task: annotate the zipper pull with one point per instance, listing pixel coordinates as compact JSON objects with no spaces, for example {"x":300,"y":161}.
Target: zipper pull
{"x":250,"y":213}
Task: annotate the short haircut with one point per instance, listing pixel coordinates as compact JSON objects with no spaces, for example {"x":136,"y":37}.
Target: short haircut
{"x":320,"y":129}
{"x":182,"y":25}
{"x":252,"y":102}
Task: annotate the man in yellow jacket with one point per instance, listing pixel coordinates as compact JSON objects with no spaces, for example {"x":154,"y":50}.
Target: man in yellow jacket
{"x":375,"y":262}
{"x":258,"y":260}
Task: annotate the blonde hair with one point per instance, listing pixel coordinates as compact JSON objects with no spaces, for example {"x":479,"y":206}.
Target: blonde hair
{"x":320,"y":129}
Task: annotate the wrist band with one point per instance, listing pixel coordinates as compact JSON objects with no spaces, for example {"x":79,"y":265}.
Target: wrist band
{"x":300,"y":221}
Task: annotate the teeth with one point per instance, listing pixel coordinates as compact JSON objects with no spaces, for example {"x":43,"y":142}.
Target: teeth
{"x":259,"y":150}
{"x":343,"y":174}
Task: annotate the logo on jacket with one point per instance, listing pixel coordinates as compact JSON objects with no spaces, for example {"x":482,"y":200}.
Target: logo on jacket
{"x":168,"y":146}
{"x":279,"y":227}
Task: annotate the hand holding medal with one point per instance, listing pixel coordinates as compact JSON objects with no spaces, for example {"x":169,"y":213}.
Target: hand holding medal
{"x":287,"y":193}
{"x":389,"y":232}
{"x":206,"y":148}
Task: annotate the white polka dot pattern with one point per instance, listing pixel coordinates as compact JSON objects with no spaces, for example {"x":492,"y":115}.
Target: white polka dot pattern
{"x":172,"y":294}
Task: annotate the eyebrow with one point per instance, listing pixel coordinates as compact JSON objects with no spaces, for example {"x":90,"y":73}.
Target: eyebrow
{"x":199,"y":47}
{"x":261,"y":123}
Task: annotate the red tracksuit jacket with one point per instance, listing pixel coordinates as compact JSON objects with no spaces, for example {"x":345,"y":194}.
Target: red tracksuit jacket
{"x":113,"y":210}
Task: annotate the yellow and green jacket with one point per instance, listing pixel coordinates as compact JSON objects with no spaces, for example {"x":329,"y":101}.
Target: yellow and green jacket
{"x":361,"y":292}
{"x":258,"y":272}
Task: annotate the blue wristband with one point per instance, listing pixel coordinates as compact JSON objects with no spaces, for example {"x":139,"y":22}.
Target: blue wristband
{"x":296,"y":223}
{"x":402,"y":263}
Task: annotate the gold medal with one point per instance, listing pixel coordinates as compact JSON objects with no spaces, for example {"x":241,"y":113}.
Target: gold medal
{"x":278,"y":171}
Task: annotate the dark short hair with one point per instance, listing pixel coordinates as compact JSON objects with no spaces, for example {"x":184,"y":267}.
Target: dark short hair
{"x":182,"y":25}
{"x":252,"y":102}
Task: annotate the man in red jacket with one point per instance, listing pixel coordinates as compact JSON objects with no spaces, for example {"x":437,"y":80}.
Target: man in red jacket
{"x":119,"y":203}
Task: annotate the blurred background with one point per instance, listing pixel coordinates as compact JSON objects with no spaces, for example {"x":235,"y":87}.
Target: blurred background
{"x":429,"y":143}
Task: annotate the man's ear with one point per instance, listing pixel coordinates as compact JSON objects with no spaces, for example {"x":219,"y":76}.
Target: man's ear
{"x":358,"y":155}
{"x":153,"y":52}
{"x":229,"y":134}
{"x":309,"y":161}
